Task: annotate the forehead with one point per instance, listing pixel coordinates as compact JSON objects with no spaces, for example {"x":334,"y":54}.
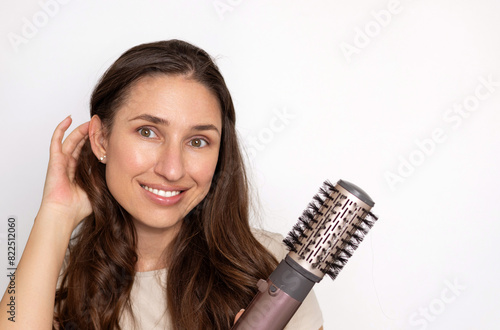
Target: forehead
{"x":175,"y":98}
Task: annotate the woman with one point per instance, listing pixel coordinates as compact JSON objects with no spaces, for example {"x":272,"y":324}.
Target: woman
{"x":156,"y":185}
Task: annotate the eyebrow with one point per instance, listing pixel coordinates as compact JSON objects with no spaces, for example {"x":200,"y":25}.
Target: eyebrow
{"x":206,"y":128}
{"x":152,"y":119}
{"x":162,"y":121}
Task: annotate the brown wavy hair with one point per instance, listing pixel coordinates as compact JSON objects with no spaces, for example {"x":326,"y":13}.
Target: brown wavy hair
{"x":213,"y":263}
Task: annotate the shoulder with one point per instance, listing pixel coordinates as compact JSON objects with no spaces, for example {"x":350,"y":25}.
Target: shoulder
{"x":273,"y":242}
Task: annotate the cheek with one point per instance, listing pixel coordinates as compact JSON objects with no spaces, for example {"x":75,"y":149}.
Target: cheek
{"x":124,"y":162}
{"x":202,"y":172}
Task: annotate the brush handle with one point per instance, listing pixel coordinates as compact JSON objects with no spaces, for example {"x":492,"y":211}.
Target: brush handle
{"x":278,"y":298}
{"x":268,"y":310}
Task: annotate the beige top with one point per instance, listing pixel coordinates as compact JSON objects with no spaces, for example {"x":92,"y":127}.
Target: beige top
{"x":149,"y":304}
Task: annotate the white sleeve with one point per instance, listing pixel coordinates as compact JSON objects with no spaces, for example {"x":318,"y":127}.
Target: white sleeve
{"x":308,"y":316}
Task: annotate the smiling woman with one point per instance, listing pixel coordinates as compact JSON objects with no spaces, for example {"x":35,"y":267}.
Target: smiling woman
{"x":153,"y":193}
{"x":161,"y":154}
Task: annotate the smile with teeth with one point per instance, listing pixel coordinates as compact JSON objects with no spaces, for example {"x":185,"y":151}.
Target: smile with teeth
{"x":162,"y":193}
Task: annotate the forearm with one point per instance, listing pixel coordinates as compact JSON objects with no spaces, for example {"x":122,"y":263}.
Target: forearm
{"x":37,"y":273}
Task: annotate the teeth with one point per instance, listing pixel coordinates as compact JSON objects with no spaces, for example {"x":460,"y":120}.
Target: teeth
{"x":162,"y":193}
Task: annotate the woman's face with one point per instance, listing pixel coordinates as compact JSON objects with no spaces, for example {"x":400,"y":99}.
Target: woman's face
{"x":162,"y":150}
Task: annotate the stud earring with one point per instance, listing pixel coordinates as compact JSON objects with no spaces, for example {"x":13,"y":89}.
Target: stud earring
{"x":102,"y":158}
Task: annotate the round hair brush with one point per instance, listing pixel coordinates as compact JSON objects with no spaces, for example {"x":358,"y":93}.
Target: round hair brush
{"x":321,"y":242}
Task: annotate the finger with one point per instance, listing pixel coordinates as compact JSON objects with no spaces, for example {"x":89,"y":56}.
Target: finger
{"x":72,"y":164}
{"x":238,"y":315}
{"x":74,"y":138}
{"x":79,"y":146}
{"x":57,"y":136}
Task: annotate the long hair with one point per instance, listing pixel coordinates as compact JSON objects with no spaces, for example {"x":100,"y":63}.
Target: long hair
{"x":213,"y":263}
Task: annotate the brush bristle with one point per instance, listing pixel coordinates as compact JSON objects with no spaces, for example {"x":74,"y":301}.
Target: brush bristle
{"x":307,"y":219}
{"x":330,"y":229}
{"x":337,"y":261}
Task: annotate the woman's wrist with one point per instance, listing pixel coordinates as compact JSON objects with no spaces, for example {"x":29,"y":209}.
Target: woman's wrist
{"x":56,"y":219}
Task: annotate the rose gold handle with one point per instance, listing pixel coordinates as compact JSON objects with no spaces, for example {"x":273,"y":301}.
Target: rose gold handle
{"x":271,"y":309}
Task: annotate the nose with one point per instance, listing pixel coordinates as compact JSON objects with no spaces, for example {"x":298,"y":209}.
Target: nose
{"x":170,"y":162}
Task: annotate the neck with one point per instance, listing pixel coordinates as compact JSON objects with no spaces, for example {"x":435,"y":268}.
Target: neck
{"x":152,"y":247}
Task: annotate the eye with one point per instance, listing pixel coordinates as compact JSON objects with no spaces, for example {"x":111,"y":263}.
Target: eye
{"x":198,"y":143}
{"x":146,"y":132}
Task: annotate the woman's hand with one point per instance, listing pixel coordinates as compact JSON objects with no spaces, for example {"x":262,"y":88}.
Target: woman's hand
{"x":238,"y":315}
{"x":61,"y":195}
{"x":64,"y":205}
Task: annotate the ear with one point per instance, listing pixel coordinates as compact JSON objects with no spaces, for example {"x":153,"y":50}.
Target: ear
{"x":97,"y":138}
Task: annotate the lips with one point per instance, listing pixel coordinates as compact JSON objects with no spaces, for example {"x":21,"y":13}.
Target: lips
{"x":163,"y":196}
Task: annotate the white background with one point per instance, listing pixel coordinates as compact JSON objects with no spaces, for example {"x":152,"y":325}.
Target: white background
{"x":362,"y":84}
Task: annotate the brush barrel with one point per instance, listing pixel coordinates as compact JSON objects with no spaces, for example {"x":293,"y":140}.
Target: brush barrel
{"x":340,"y":215}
